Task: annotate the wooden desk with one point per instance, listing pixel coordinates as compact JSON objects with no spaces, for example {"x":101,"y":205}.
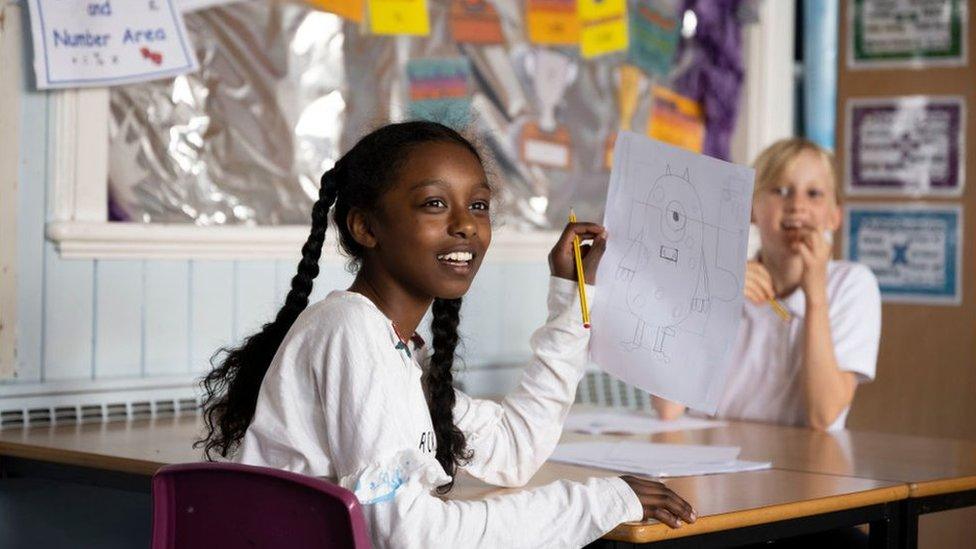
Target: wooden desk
{"x":940,"y":473}
{"x":748,"y":506}
{"x":930,"y":466}
{"x":734,"y":501}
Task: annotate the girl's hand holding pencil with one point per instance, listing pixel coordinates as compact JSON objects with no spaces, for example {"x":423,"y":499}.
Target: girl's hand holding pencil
{"x":573,"y":260}
{"x":562,"y":262}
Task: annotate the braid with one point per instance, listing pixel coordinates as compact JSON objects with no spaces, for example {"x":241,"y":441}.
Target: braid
{"x":358,"y":180}
{"x":439,"y":383}
{"x":232,"y":387}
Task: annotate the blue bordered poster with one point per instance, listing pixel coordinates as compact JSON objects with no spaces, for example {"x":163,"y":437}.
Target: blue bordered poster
{"x":80,"y":43}
{"x":913,"y":249}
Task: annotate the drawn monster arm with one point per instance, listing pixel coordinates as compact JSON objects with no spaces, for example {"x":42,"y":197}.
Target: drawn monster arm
{"x":635,"y":255}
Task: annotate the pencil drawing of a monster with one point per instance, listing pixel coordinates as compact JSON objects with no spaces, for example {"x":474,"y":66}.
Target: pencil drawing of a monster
{"x":664,"y":267}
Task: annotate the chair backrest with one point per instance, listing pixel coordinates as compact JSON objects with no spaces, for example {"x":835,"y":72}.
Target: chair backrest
{"x":210,"y":505}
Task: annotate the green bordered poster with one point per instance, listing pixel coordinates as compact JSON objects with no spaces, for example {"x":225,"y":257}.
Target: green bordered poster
{"x":906,"y":33}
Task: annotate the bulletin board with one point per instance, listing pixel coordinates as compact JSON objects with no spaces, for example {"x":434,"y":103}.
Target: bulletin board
{"x":926,"y":381}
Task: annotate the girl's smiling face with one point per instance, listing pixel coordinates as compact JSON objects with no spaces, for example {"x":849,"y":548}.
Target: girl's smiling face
{"x":800,"y":200}
{"x":432,"y":227}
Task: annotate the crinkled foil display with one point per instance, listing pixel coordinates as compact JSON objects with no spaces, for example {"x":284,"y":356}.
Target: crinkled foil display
{"x":283,"y":89}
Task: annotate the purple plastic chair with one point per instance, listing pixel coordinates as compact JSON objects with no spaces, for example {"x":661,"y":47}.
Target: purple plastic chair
{"x":208,"y":505}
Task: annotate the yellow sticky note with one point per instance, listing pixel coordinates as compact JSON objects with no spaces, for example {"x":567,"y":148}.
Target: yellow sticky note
{"x":603,"y":37}
{"x":399,"y":17}
{"x":595,"y":10}
{"x":604,"y":26}
{"x":553,"y":22}
{"x":347,"y":9}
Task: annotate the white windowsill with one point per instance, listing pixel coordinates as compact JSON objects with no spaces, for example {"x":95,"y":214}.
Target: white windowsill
{"x":101,"y":240}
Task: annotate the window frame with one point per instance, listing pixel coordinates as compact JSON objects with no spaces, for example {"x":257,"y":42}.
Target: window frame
{"x":78,"y":210}
{"x":11,"y":86}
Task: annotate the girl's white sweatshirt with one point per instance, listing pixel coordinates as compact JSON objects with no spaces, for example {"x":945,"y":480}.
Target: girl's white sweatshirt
{"x":343,"y":400}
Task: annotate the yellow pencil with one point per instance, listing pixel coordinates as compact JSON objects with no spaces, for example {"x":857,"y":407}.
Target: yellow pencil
{"x":580,"y":277}
{"x":780,"y":310}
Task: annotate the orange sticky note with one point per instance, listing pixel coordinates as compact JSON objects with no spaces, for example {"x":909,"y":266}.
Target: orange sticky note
{"x":676,"y":119}
{"x":475,"y":22}
{"x":347,"y":9}
{"x":399,"y":17}
{"x":553,"y":22}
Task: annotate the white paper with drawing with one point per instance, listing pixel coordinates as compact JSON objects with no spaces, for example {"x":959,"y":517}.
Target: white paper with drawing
{"x":669,"y":288}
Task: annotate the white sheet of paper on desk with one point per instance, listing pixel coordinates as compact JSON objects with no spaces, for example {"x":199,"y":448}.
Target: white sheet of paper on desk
{"x":596,"y":423}
{"x":656,"y":459}
{"x":669,"y":287}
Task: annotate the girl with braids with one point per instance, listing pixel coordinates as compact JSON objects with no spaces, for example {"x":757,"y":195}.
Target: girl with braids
{"x":345,"y":390}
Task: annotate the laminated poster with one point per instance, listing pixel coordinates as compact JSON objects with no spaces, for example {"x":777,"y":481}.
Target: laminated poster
{"x":913,"y":249}
{"x":906,"y":33}
{"x":82,"y":43}
{"x":905,"y":146}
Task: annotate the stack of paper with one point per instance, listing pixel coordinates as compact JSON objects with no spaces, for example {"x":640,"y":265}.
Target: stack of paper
{"x":656,"y":460}
{"x":597,"y":423}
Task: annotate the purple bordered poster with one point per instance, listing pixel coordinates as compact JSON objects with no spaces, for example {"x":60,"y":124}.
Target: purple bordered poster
{"x":905,"y":146}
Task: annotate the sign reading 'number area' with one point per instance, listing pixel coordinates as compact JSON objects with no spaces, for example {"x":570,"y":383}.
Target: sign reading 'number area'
{"x":81,"y":43}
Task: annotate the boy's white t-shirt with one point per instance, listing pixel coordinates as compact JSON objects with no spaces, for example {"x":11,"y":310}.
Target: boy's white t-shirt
{"x":343,"y":400}
{"x":764,"y":381}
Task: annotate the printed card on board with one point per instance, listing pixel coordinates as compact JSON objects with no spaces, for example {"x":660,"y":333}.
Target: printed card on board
{"x":654,"y":32}
{"x":440,"y":89}
{"x":913,"y":249}
{"x":552,"y":22}
{"x":604,"y":27}
{"x":475,"y":22}
{"x":80,"y":44}
{"x":908,"y":145}
{"x":676,"y":119}
{"x":408,"y":17}
{"x":906,"y":33}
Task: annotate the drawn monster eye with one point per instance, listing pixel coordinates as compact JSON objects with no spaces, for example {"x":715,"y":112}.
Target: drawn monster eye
{"x":675,"y":216}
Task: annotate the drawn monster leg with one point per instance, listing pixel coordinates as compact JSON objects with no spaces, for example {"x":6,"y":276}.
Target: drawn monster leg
{"x":663,"y":332}
{"x":638,"y":336}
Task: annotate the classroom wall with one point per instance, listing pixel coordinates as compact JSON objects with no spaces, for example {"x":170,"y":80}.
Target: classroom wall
{"x":926,"y":380}
{"x":111,"y":319}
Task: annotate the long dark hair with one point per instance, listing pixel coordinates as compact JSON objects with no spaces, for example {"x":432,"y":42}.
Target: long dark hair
{"x":357,"y":180}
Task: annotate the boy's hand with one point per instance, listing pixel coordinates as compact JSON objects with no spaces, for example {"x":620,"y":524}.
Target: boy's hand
{"x":759,"y":284}
{"x":561,"y":261}
{"x":660,"y":503}
{"x":815,"y":253}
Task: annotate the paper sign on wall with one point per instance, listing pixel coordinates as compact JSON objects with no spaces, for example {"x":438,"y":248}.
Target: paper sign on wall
{"x":669,"y":287}
{"x":604,"y":27}
{"x":676,"y":119}
{"x":654,"y":34}
{"x":440,"y":89}
{"x":910,"y":145}
{"x":83,"y":43}
{"x":553,"y":22}
{"x":475,"y":22}
{"x":399,"y":17}
{"x":347,"y":9}
{"x":913,"y":249}
{"x":906,"y":33}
